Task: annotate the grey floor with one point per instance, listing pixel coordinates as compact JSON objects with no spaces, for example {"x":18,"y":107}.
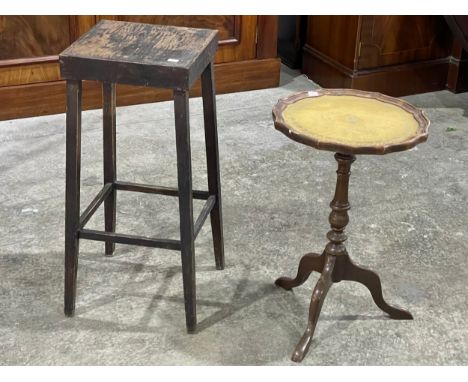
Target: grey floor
{"x":408,"y":222}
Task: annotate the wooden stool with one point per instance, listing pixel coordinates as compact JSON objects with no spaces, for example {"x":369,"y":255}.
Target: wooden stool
{"x":149,"y":55}
{"x":347,"y":122}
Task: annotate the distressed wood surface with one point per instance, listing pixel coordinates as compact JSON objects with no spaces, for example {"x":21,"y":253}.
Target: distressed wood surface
{"x":227,"y":26}
{"x":236,"y":34}
{"x":140,"y":54}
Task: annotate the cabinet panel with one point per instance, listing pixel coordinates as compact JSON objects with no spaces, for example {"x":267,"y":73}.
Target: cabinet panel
{"x":392,"y":40}
{"x":33,"y":36}
{"x":395,"y":55}
{"x":29,"y":46}
{"x":334,"y":36}
{"x":30,"y":82}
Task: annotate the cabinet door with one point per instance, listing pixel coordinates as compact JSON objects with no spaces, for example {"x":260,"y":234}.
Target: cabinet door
{"x":237,"y":34}
{"x":29,"y":46}
{"x":392,"y":40}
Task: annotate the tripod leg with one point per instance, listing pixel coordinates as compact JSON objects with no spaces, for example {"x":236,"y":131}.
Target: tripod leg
{"x":371,"y":280}
{"x":310,"y":262}
{"x":316,"y":302}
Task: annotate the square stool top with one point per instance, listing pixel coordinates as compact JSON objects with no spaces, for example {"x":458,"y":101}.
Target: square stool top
{"x":140,"y":54}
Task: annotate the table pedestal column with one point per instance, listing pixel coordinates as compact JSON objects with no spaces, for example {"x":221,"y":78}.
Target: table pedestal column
{"x":334,"y":263}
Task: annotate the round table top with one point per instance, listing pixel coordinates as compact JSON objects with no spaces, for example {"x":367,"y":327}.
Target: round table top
{"x":351,"y":121}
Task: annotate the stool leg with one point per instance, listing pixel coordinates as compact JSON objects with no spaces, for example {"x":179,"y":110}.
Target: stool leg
{"x":72,"y":192}
{"x":184,"y":174}
{"x":212,"y":158}
{"x":109,"y":127}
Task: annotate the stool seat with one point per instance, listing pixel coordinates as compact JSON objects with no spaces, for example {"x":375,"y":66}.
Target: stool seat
{"x":140,"y":54}
{"x":351,"y":121}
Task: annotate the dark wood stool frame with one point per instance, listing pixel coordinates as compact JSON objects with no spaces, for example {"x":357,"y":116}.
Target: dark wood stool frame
{"x":334,"y":263}
{"x":75,"y":223}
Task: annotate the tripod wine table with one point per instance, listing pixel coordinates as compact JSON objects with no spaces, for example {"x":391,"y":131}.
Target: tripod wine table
{"x":347,"y":122}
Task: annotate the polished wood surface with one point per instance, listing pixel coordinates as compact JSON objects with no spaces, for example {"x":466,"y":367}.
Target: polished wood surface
{"x":48,"y":98}
{"x":334,"y":37}
{"x":393,"y":40}
{"x":29,"y":73}
{"x":266,"y":36}
{"x":33,"y":36}
{"x":395,"y":55}
{"x":245,"y":60}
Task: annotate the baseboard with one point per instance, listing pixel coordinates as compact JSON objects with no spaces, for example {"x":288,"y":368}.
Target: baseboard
{"x":394,"y":80}
{"x":49,"y":97}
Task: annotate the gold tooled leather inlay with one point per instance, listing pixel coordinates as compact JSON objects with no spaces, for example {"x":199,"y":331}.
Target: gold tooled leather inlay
{"x":350,"y":120}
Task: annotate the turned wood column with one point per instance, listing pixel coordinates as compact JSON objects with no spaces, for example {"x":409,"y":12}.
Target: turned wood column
{"x":340,"y":205}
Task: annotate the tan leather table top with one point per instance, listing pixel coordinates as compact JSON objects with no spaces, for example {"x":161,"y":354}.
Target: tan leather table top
{"x":358,"y":122}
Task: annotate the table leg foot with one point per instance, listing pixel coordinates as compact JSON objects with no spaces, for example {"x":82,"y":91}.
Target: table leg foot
{"x":372,"y":281}
{"x":318,"y":296}
{"x":310,"y":262}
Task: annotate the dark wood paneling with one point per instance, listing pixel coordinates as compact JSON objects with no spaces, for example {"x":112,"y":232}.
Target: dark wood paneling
{"x":457,"y":78}
{"x":49,"y":97}
{"x":459,"y":27}
{"x":405,"y":79}
{"x":395,"y":80}
{"x":31,"y":85}
{"x":395,"y":55}
{"x":324,"y":71}
{"x":30,"y":70}
{"x":33,"y":36}
{"x":291,"y":39}
{"x":267,"y":30}
{"x":334,"y":36}
{"x":392,"y":40}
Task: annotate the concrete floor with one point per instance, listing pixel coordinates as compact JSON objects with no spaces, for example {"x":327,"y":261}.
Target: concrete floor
{"x":408,"y":222}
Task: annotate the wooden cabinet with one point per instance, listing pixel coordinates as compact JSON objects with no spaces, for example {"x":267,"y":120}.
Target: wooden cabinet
{"x":394,"y":40}
{"x":395,"y":55}
{"x":30,"y":81}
